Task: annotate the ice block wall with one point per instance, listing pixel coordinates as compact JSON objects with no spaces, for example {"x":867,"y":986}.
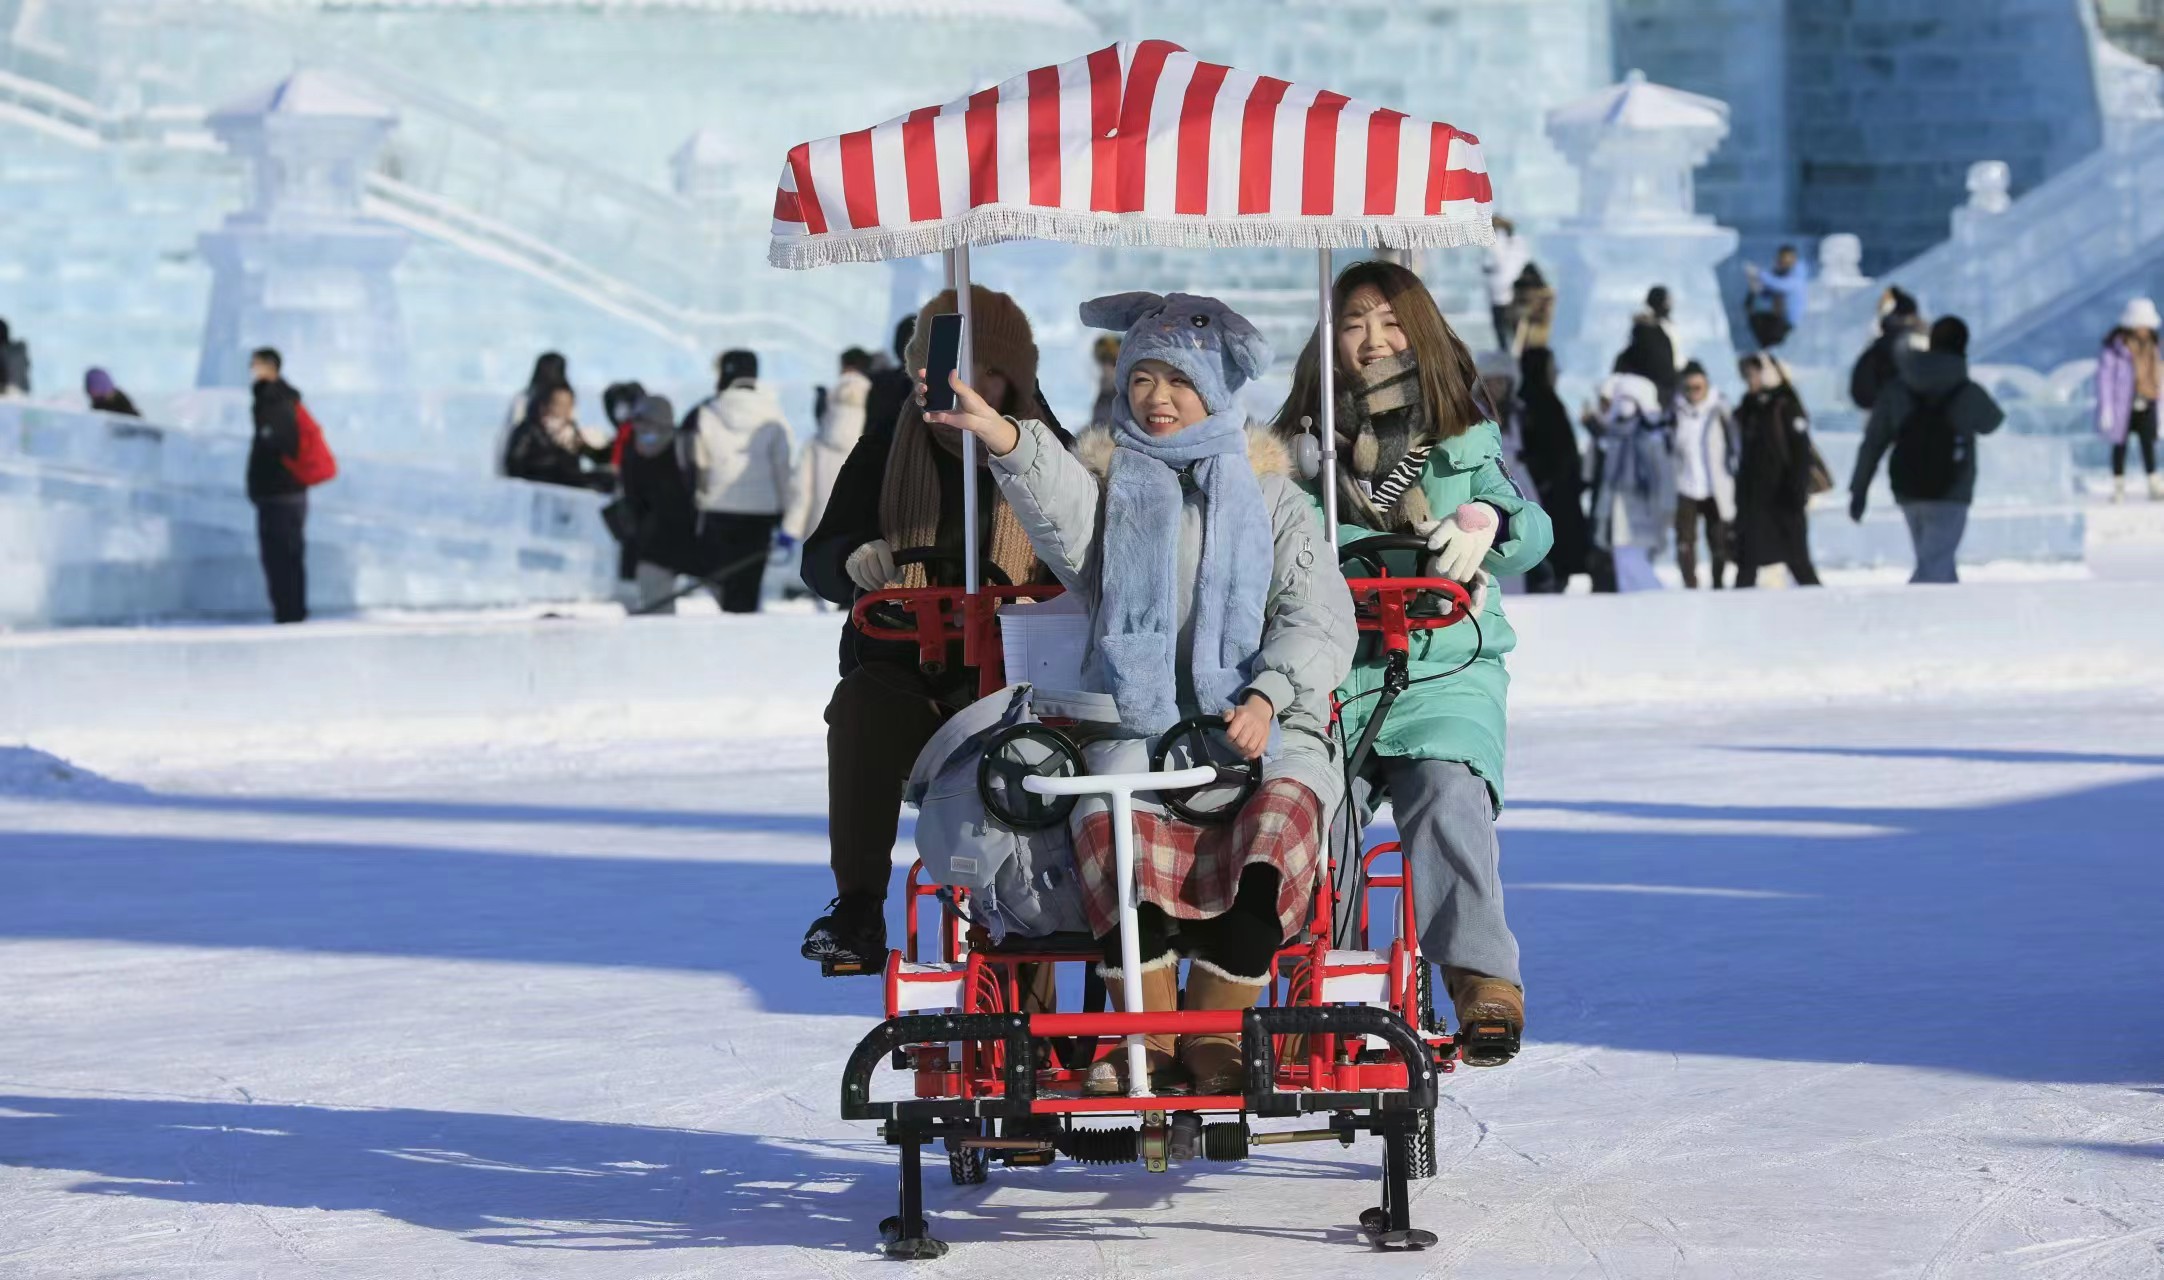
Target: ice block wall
{"x":118,"y":520}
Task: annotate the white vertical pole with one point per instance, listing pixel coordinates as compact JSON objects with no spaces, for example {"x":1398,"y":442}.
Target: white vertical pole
{"x":1326,"y":416}
{"x":1123,"y":869}
{"x":958,"y":278}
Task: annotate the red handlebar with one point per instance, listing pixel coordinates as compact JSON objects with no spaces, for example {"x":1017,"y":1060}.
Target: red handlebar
{"x":1380,"y":605}
{"x":945,"y":616}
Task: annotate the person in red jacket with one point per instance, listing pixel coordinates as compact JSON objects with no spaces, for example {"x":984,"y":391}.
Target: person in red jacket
{"x":281,"y":500}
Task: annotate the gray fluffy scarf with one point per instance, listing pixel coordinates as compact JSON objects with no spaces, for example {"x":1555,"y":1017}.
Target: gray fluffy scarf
{"x":1381,"y":418}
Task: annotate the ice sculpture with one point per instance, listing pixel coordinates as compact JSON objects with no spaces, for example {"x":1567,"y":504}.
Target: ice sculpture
{"x":122,"y":520}
{"x":1636,"y":145}
{"x":301,"y":268}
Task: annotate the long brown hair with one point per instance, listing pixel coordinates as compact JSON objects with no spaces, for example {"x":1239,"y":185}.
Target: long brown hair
{"x":1447,"y":372}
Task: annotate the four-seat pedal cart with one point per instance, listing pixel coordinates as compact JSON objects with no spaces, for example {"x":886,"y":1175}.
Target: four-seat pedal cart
{"x":1141,"y":144}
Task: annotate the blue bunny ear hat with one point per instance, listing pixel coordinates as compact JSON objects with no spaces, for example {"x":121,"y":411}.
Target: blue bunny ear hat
{"x":1212,"y":344}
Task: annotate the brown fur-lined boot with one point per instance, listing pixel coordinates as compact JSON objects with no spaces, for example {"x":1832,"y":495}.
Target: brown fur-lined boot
{"x":1215,"y":1060}
{"x":1160,"y":994}
{"x":1491,"y":1017}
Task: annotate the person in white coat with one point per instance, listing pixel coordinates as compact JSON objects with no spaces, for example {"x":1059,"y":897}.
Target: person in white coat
{"x":840,"y":427}
{"x":1501,"y":266}
{"x":741,"y":447}
{"x":1705,"y":450}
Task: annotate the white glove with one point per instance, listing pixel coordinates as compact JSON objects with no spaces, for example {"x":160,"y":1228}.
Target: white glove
{"x":1481,"y":583}
{"x":871,"y":566}
{"x":1460,"y":541}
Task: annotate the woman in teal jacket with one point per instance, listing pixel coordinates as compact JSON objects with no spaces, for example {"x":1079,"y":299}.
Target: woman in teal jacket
{"x":1419,"y":455}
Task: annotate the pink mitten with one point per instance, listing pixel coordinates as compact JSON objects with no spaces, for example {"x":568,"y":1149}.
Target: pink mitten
{"x":1476,"y":516}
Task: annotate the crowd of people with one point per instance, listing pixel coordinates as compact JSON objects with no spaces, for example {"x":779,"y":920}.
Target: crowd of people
{"x":1668,"y":464}
{"x":707,"y":496}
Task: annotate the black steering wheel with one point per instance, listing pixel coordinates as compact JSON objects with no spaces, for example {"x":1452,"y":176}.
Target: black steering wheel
{"x":1026,"y":751}
{"x":893,"y":616}
{"x":1213,"y":803}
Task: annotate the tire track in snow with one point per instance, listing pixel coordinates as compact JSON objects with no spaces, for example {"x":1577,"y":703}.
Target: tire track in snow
{"x":1995,"y":1203}
{"x":1647,"y":1141}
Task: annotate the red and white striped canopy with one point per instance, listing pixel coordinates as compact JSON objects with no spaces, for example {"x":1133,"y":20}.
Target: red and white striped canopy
{"x":1133,"y":144}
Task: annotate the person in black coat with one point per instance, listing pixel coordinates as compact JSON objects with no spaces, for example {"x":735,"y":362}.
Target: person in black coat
{"x":891,"y":388}
{"x":1652,"y":350}
{"x":660,"y":495}
{"x":105,"y":397}
{"x":901,"y":490}
{"x":1548,"y":445}
{"x":1900,"y":329}
{"x":1773,"y":475}
{"x":550,"y":447}
{"x":281,"y":500}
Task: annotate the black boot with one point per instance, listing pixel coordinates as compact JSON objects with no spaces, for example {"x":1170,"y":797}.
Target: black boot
{"x":851,"y":937}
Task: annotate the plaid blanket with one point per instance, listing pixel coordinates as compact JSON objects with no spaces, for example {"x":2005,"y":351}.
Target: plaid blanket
{"x":1191,"y":872}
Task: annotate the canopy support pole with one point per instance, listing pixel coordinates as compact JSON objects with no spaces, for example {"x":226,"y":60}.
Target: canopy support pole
{"x":966,"y":364}
{"x":1326,"y":412}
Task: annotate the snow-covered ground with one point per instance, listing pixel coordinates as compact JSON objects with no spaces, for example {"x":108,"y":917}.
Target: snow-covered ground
{"x":1846,"y":989}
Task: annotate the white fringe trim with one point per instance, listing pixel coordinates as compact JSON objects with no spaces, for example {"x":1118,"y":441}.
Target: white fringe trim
{"x":1228,"y":976}
{"x":991,"y":224}
{"x":1115,"y":973}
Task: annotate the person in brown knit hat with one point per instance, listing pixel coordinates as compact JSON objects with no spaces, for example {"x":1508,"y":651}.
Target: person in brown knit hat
{"x":901,"y":490}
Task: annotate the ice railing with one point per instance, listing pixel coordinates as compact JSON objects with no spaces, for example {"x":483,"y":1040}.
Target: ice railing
{"x":454,"y":175}
{"x":2083,"y":225}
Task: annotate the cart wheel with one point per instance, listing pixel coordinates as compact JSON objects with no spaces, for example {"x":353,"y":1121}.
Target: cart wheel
{"x":1213,"y":804}
{"x":1420,"y":1147}
{"x":969,"y":1166}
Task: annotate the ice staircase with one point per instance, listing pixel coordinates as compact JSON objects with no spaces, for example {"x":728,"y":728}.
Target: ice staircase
{"x":460,"y":178}
{"x":2040,"y":281}
{"x":634,"y":253}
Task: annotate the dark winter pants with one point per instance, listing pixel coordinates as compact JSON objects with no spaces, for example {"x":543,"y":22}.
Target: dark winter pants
{"x":280,"y":530}
{"x":1241,"y":942}
{"x":1689,"y":511}
{"x":736,"y":548}
{"x":1790,"y":544}
{"x":2141,"y":428}
{"x":1936,"y":528}
{"x":1505,"y":316}
{"x":879,"y":719}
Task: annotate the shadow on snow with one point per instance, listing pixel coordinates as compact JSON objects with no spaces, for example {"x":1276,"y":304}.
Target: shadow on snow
{"x":2011,"y":940}
{"x":533,"y":1182}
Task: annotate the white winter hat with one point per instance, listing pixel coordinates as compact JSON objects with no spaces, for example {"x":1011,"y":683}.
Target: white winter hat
{"x":2141,"y":314}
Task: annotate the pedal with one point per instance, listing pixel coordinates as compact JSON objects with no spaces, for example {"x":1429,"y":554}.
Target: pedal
{"x":1487,"y":1043}
{"x":849,"y":968}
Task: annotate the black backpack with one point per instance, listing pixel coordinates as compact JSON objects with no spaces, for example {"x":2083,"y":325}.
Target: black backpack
{"x":1928,"y":452}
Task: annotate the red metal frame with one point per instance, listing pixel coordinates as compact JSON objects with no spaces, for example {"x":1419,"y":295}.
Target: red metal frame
{"x":989,"y":981}
{"x":945,"y":616}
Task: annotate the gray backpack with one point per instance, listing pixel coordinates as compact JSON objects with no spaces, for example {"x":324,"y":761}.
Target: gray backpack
{"x":1020,"y":882}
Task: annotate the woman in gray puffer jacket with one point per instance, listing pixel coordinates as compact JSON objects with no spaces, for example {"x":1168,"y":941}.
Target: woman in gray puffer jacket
{"x":1211,"y":591}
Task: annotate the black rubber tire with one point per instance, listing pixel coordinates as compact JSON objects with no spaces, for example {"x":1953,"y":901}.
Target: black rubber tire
{"x":1420,"y":1147}
{"x":969,"y":1166}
